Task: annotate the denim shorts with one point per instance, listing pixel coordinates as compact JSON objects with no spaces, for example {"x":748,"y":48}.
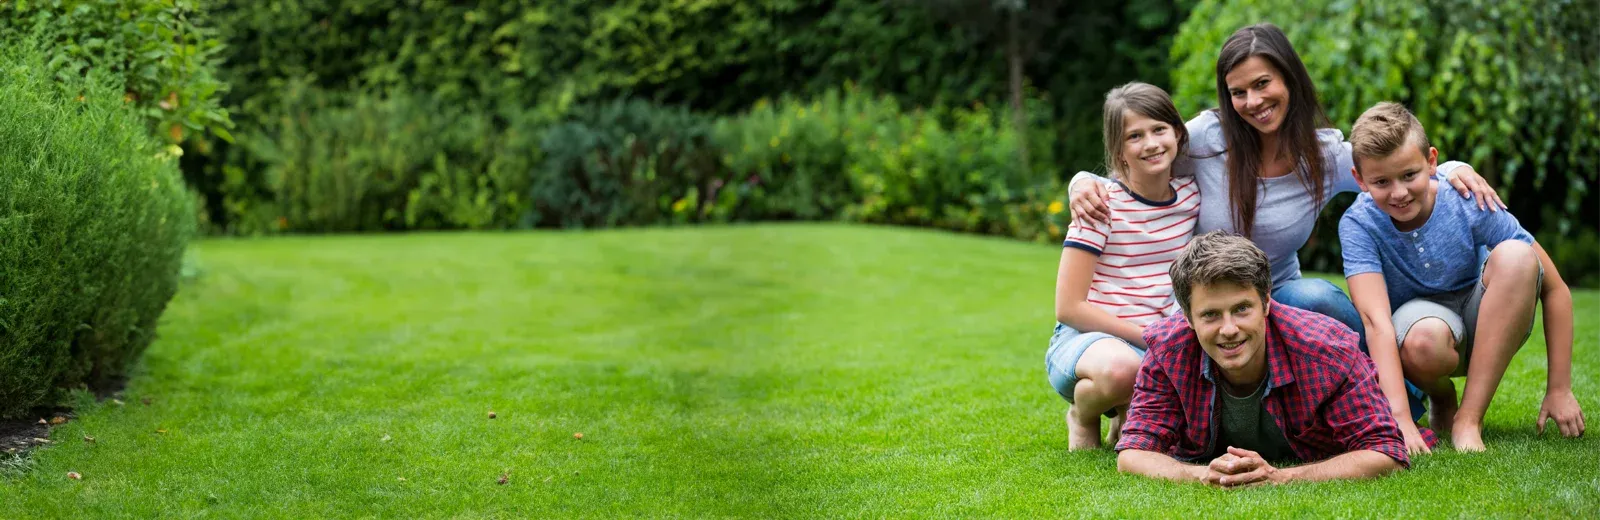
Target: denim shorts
{"x":1066,"y":348}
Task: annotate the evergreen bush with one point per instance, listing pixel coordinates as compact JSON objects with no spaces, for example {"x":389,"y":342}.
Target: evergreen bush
{"x":94,"y":219}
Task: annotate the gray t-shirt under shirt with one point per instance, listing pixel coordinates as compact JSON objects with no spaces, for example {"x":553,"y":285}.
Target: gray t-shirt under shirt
{"x":1243,"y":422}
{"x":1286,"y":210}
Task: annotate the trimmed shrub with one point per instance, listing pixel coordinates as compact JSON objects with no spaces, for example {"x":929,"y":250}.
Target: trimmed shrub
{"x":623,"y":163}
{"x":1513,"y":88}
{"x":93,"y":222}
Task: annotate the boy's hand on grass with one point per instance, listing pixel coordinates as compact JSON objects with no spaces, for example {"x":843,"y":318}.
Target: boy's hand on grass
{"x":1562,"y":407}
{"x":1415,"y":444}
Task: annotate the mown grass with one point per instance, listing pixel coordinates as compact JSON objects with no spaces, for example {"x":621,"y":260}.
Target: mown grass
{"x":760,"y":371}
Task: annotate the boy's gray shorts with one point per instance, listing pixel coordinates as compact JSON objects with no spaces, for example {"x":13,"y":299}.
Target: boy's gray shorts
{"x":1459,"y":310}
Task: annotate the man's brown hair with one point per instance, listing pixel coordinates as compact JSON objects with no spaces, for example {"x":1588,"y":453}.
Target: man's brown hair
{"x":1383,"y":129}
{"x":1219,"y":257}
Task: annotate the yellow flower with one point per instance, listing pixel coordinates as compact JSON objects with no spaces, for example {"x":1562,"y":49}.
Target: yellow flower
{"x":1056,"y":207}
{"x":680,"y":205}
{"x":773,"y":143}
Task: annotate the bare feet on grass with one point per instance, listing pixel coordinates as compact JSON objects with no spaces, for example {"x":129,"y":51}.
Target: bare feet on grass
{"x":1467,"y":438}
{"x":1083,"y":433}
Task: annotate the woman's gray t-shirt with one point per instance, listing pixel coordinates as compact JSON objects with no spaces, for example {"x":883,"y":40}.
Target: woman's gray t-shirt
{"x":1286,"y":209}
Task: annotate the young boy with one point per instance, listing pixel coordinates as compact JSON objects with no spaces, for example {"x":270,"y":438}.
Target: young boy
{"x":1411,"y":258}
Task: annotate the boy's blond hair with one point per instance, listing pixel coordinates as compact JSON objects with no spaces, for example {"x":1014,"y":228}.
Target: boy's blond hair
{"x":1383,"y":129}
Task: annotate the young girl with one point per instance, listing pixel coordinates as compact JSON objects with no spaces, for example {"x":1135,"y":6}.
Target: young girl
{"x":1113,"y":276}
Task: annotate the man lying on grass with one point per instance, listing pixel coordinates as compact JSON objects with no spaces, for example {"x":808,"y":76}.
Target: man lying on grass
{"x":1237,"y":380}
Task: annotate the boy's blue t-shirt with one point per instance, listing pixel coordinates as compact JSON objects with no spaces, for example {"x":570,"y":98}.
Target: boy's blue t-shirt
{"x":1440,"y":256}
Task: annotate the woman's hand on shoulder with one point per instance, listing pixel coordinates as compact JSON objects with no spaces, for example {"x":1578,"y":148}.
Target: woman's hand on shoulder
{"x":1088,"y":202}
{"x":1470,"y":184}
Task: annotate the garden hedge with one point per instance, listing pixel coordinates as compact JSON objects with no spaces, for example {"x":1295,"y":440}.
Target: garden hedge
{"x":93,"y":223}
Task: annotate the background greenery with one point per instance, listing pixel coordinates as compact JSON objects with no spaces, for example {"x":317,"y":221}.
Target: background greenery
{"x":541,"y":72}
{"x":366,"y":115}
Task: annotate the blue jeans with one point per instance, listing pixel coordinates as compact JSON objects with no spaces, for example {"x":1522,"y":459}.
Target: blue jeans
{"x":1325,"y":298}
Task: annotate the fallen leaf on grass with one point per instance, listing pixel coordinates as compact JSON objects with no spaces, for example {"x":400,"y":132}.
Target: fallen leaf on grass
{"x":87,"y":438}
{"x":39,"y":440}
{"x":385,"y":438}
{"x":491,"y":414}
{"x":578,"y":436}
{"x":504,"y":478}
{"x":74,"y":475}
{"x":118,"y":402}
{"x":161,"y":430}
{"x":42,"y":421}
{"x":401,"y":479}
{"x":145,"y":400}
{"x":547,"y":479}
{"x":57,"y":420}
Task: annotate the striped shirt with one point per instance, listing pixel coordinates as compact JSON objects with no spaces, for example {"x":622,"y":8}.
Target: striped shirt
{"x":1135,"y":250}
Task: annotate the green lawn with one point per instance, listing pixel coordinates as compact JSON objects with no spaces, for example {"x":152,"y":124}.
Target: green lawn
{"x":752,"y":371}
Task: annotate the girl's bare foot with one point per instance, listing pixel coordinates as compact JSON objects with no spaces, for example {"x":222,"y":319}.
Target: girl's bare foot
{"x":1082,"y":433}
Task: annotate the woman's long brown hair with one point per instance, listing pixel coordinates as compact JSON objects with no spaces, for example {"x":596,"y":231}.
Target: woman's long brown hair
{"x":1297,"y":137}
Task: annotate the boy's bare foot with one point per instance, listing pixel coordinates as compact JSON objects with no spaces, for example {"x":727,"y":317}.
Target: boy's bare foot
{"x":1115,"y":433}
{"x":1082,"y":433}
{"x":1467,"y":438}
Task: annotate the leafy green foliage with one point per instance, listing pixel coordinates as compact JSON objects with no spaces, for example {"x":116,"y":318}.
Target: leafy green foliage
{"x":1513,"y":88}
{"x":520,"y":62}
{"x":845,"y":155}
{"x":718,"y":55}
{"x":621,"y":163}
{"x":93,"y":222}
{"x":954,"y":170}
{"x":160,"y":51}
{"x":370,"y":164}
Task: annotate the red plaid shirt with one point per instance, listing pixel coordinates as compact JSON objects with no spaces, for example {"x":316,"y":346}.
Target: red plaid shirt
{"x":1321,"y":391}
